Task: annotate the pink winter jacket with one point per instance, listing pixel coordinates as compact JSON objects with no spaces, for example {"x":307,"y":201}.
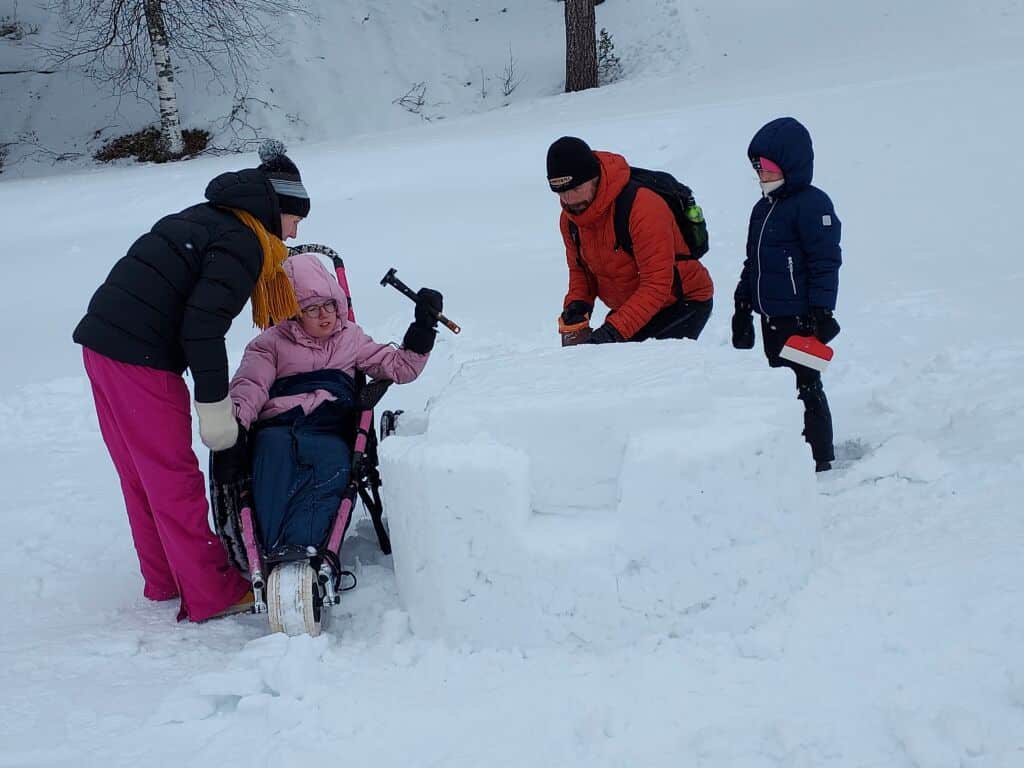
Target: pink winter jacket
{"x":287,"y":349}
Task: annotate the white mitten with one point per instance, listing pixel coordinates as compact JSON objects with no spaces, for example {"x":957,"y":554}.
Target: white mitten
{"x":217,"y":426}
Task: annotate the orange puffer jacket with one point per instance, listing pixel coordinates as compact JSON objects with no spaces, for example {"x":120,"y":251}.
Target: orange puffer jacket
{"x":634,"y":288}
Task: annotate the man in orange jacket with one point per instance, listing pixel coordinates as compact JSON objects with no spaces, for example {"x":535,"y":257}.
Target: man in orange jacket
{"x":658,"y":292}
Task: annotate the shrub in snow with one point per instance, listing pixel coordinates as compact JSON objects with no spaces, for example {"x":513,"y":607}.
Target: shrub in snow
{"x":609,"y":68}
{"x":12,"y":29}
{"x":148,"y":145}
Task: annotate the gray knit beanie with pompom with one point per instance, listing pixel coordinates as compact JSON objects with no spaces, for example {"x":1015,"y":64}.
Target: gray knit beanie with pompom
{"x":284,"y":178}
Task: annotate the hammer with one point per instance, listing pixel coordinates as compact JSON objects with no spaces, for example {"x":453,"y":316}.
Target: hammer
{"x":394,"y":282}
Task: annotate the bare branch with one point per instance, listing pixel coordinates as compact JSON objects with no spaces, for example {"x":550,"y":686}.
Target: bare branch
{"x":510,"y":77}
{"x":110,"y":40}
{"x":414,"y":98}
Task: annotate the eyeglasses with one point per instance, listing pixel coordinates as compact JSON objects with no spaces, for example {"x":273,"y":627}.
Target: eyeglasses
{"x":329,"y":307}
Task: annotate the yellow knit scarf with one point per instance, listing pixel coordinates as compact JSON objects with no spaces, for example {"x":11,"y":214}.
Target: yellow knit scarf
{"x":273,"y":297}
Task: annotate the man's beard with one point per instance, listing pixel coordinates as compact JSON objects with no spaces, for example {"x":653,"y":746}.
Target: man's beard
{"x":577,"y":208}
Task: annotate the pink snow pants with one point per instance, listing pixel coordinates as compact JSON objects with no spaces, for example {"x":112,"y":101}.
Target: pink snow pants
{"x":146,"y":421}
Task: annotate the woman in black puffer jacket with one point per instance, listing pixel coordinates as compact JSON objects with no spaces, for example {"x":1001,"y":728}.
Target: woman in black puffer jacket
{"x":164,"y":307}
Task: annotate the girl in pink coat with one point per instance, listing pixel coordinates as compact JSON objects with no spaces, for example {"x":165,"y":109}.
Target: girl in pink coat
{"x":295,"y":391}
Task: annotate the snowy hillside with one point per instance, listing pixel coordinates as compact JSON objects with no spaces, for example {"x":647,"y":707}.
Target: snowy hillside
{"x":339,"y":73}
{"x":894,"y":634}
{"x":336,"y":73}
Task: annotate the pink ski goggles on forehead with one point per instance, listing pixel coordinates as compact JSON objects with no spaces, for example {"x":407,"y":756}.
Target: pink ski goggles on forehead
{"x":764,"y":164}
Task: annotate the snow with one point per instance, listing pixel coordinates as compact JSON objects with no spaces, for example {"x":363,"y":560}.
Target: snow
{"x":893,"y":637}
{"x":338,"y":72}
{"x":650,"y":483}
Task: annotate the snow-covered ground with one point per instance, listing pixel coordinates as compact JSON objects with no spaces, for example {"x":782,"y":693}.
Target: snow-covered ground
{"x":903,"y":643}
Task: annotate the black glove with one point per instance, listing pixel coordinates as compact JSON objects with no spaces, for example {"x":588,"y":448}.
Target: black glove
{"x":743,"y":326}
{"x":429,"y":304}
{"x":606,"y":334}
{"x":577,"y":312}
{"x":823,"y":325}
{"x":232,"y":465}
{"x":804,"y":325}
{"x":419,"y":338}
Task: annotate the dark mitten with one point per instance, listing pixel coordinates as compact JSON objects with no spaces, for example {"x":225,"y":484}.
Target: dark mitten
{"x":804,"y":325}
{"x":574,"y":323}
{"x":419,"y":338}
{"x":429,"y":304}
{"x":606,"y":334}
{"x":232,"y":464}
{"x":577,"y":312}
{"x":825,"y":326}
{"x":743,"y":326}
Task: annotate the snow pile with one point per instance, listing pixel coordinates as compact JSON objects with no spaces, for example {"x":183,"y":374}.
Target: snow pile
{"x":596,"y":495}
{"x":270,"y":679}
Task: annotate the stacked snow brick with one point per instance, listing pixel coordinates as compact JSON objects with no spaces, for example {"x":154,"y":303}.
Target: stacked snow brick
{"x":596,"y":495}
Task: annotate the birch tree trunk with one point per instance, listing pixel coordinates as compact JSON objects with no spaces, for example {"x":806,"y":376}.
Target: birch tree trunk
{"x":170,"y":122}
{"x":580,"y":45}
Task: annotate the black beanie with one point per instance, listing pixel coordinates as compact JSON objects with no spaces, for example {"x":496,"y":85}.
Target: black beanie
{"x":571,"y":163}
{"x":284,"y":178}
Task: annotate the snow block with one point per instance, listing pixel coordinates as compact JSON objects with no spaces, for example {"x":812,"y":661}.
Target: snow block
{"x":596,"y":495}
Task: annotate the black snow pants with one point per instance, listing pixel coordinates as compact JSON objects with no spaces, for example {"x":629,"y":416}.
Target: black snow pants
{"x":817,"y":416}
{"x":682,"y":320}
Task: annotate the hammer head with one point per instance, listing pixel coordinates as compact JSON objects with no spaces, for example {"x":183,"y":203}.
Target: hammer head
{"x":386,"y":280}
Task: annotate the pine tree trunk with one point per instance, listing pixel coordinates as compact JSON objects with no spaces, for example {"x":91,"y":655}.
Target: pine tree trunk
{"x":580,"y":45}
{"x":170,"y":122}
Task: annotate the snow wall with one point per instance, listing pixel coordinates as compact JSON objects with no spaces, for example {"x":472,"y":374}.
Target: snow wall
{"x":594,"y":495}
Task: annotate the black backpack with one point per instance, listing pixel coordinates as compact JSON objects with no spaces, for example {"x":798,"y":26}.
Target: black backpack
{"x":680,"y":200}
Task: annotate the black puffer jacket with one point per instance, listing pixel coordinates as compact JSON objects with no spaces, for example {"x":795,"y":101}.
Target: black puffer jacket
{"x":169,"y":302}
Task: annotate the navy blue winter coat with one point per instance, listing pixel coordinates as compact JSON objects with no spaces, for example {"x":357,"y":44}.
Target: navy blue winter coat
{"x":793,"y":253}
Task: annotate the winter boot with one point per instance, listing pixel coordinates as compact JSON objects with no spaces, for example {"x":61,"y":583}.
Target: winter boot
{"x":244,"y":605}
{"x":817,"y":424}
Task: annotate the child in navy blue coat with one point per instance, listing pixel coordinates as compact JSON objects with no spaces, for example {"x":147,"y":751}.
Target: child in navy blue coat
{"x":791,"y":272}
